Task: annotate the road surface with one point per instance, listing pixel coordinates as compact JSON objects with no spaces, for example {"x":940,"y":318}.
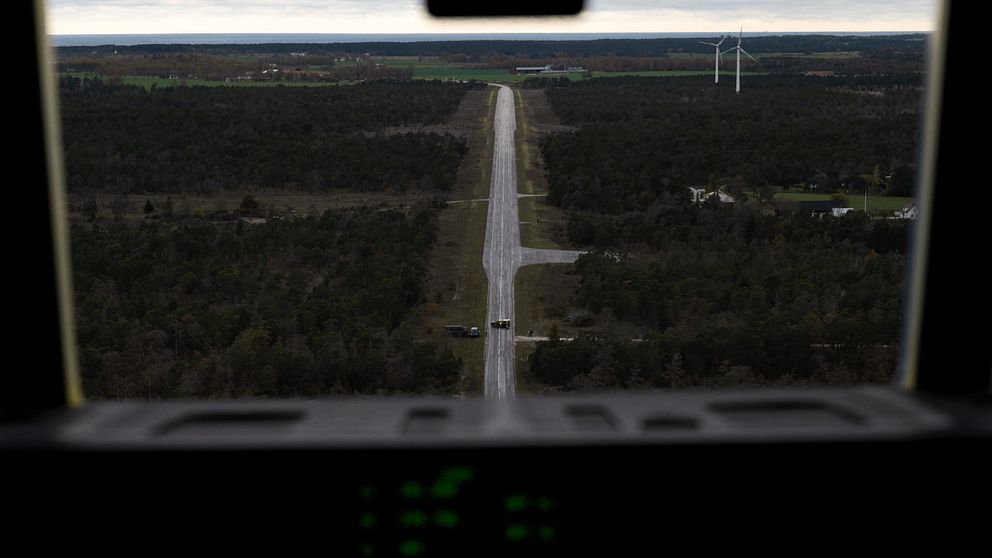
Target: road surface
{"x":502,"y":254}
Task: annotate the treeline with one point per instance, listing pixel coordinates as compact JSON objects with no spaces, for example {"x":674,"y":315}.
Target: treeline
{"x":202,"y":139}
{"x":302,"y":307}
{"x":640,"y":137}
{"x":728,"y":295}
{"x":229,"y":67}
{"x":468,"y":51}
{"x":203,"y":66}
{"x":852,"y":65}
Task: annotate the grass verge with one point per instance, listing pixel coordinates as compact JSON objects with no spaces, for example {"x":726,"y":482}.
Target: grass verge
{"x":457,"y":288}
{"x":880,"y":203}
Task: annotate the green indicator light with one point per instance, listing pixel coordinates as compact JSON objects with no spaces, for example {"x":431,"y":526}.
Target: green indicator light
{"x":444,"y":489}
{"x":411,"y":548}
{"x":516,"y":532}
{"x":516,"y":502}
{"x":446,"y":518}
{"x":411,"y":490}
{"x":367,"y":520}
{"x":366,"y":491}
{"x":415,"y":518}
{"x":457,"y":474}
{"x":545,"y":503}
{"x":366,"y":550}
{"x":546,"y":533}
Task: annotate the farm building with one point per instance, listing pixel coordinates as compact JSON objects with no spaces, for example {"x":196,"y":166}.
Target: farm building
{"x":533,"y":69}
{"x":908,"y":212}
{"x":700,"y":195}
{"x":820,"y":208}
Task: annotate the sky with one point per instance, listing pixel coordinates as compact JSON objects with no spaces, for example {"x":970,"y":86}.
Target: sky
{"x":71,"y":17}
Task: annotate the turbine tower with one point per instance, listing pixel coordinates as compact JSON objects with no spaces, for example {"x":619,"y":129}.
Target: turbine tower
{"x":719,"y":56}
{"x":739,"y":50}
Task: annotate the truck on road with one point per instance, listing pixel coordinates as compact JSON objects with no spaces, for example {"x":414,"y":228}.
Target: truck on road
{"x":461,"y":331}
{"x":503,"y":323}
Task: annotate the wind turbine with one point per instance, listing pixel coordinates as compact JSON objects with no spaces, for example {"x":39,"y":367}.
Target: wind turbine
{"x":716,"y":71}
{"x":739,"y":50}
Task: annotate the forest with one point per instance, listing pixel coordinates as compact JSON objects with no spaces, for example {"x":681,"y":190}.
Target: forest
{"x":728,"y":294}
{"x":284,"y":307}
{"x":651,"y":136}
{"x":718,"y":290}
{"x":125,"y":139}
{"x":289,"y":308}
{"x":891,"y":46}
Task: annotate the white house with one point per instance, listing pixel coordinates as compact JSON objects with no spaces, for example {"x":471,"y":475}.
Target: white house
{"x":700,"y":195}
{"x":841,"y":211}
{"x":908,"y":212}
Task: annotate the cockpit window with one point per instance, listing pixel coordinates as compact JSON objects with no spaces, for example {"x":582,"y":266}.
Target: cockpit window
{"x":342,"y":198}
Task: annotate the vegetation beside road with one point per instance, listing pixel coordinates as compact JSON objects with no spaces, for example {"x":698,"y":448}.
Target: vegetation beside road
{"x":456,"y":285}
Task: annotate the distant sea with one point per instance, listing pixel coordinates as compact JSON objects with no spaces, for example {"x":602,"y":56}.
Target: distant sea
{"x":261,"y":38}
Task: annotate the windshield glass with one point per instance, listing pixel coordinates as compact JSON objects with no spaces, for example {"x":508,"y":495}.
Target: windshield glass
{"x":352,"y":198}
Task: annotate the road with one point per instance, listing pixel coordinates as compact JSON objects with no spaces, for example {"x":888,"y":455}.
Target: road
{"x":502,"y":254}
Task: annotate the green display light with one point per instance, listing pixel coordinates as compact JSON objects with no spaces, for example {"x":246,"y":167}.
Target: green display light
{"x":367,"y":520}
{"x":412,"y":548}
{"x":517,"y":532}
{"x":458,"y":474}
{"x":414,"y":518}
{"x":444,"y":489}
{"x":545,"y":503}
{"x":546,"y":533}
{"x":516,"y":502}
{"x":411,"y":490}
{"x":446,"y":518}
{"x":367,"y":549}
{"x":366,"y":491}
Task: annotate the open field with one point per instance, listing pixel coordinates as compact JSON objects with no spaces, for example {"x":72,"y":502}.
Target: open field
{"x":881,"y":203}
{"x":481,"y":74}
{"x":817,"y":55}
{"x":410,"y":61}
{"x":541,"y":224}
{"x":672,"y":73}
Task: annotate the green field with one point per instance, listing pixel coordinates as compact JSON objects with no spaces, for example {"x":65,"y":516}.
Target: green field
{"x":671,"y":73}
{"x":881,"y":203}
{"x":817,"y":55}
{"x":147,"y":81}
{"x":442,"y":71}
{"x":411,"y":61}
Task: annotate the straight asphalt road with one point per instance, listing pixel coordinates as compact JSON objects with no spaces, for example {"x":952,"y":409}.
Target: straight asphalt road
{"x":502,"y":254}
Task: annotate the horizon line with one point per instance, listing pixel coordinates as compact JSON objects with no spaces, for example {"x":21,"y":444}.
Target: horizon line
{"x":483,"y":33}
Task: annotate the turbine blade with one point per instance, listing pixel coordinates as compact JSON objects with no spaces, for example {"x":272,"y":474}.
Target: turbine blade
{"x":711,"y":44}
{"x":728,"y":50}
{"x":721,"y":41}
{"x":748,"y":55}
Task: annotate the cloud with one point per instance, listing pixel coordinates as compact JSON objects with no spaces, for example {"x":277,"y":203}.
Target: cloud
{"x":409,"y":16}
